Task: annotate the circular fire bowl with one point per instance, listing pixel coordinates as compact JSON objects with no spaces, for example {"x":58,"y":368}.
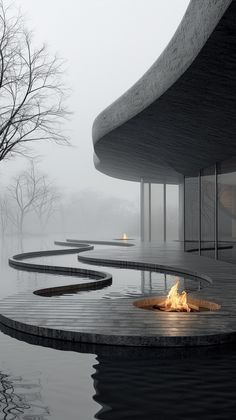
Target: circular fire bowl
{"x":156,"y":304}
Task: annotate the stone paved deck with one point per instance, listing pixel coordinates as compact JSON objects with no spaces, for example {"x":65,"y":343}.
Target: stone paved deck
{"x":118,"y":322}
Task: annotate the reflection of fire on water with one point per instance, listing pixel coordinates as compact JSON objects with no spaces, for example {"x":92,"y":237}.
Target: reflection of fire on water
{"x":124,"y":236}
{"x":176,"y":302}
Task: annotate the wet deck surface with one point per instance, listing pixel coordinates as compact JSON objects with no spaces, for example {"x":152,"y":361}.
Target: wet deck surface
{"x":117,"y":321}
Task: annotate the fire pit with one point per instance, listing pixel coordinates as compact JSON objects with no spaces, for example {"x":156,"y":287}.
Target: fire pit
{"x":176,"y":302}
{"x":124,"y":238}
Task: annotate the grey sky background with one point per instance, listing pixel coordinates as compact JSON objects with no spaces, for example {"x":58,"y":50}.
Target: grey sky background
{"x":107,"y":46}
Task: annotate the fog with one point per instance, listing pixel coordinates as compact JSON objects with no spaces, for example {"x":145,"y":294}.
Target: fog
{"x":107,"y":45}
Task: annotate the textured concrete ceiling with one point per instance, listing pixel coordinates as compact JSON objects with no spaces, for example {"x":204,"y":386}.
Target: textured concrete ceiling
{"x":180,"y":117}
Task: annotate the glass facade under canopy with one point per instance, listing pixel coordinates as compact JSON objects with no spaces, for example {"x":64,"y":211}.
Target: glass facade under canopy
{"x":210,"y":212}
{"x":201,"y":212}
{"x":159,"y":212}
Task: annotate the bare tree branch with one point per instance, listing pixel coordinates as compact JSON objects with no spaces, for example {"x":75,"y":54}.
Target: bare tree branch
{"x":32,"y":95}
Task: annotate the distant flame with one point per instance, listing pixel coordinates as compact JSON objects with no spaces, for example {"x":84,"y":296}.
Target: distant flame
{"x":124,"y":236}
{"x":177,"y":302}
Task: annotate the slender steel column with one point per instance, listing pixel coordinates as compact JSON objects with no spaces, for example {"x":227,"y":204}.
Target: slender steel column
{"x":184,"y":213}
{"x":216,"y":211}
{"x":142,"y":282}
{"x":164,"y":212}
{"x":149,"y":212}
{"x":199,"y":212}
{"x":150,"y":280}
{"x":165,"y":280}
{"x":142,"y":210}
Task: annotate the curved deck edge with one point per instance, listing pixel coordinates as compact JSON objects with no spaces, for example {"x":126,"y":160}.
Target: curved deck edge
{"x":115,"y":322}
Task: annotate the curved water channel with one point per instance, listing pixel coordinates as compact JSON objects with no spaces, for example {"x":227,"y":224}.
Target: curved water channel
{"x":48,"y":379}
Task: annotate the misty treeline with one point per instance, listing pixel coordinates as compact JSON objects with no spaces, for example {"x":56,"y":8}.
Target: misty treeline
{"x":32,"y":204}
{"x":30,"y":198}
{"x":91,"y":214}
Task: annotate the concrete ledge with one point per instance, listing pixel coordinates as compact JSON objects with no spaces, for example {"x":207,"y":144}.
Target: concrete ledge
{"x":110,"y":243}
{"x":99,"y":278}
{"x":113,"y":339}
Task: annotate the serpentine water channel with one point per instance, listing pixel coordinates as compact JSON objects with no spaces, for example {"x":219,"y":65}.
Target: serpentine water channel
{"x":51,"y":379}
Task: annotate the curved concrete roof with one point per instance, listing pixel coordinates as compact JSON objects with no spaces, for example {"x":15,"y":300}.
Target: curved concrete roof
{"x":180,"y":116}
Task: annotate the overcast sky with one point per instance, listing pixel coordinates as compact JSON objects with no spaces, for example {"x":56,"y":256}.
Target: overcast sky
{"x":107,"y":46}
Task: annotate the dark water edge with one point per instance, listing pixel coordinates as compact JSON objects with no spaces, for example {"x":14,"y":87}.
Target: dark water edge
{"x":150,"y":383}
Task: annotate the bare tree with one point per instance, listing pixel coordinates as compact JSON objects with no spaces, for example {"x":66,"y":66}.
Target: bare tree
{"x":25,"y":191}
{"x":31,"y":192}
{"x":32,"y":96}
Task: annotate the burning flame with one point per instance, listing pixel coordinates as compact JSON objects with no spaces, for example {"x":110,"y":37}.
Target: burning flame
{"x":124,"y":236}
{"x":177,"y":302}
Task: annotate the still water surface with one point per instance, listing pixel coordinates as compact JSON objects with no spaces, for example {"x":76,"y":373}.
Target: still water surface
{"x":57,"y":381}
